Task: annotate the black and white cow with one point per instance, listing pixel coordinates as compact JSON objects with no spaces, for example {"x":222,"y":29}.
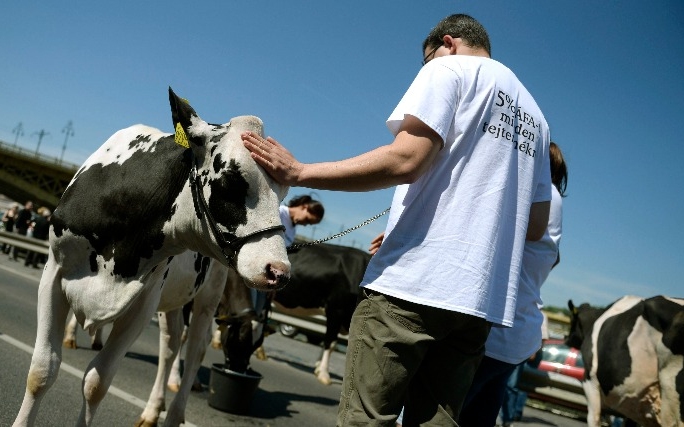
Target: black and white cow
{"x":633,"y":352}
{"x":139,"y":200}
{"x":185,"y":271}
{"x":217,"y":283}
{"x":325,"y":276}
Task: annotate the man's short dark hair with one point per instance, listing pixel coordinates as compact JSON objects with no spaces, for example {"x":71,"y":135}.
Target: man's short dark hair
{"x":466,"y":27}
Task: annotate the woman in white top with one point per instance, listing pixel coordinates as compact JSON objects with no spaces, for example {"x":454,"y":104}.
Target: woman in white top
{"x":508,"y":348}
{"x":300,"y":210}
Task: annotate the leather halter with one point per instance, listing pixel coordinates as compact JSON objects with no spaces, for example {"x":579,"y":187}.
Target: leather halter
{"x":223,"y":239}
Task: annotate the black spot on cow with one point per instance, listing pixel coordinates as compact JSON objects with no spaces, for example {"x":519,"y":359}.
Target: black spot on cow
{"x":613,"y":371}
{"x":166,"y":274}
{"x":228,"y":199}
{"x":121,"y":208}
{"x":218,"y":163}
{"x":201,"y":266}
{"x":92,"y":259}
{"x":138,"y":142}
{"x":666,"y":317}
{"x":218,"y":136}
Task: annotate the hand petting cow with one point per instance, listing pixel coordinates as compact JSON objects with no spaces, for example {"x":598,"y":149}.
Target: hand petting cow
{"x":142,"y":198}
{"x":633,"y":353}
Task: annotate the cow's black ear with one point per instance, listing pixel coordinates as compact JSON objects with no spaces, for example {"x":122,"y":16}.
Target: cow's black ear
{"x":572,"y":307}
{"x":181,"y":114}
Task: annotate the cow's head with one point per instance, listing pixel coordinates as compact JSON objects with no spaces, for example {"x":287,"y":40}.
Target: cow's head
{"x":581,"y":323}
{"x":235,"y":200}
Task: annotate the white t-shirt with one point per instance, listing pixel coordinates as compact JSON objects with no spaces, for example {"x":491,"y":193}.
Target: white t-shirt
{"x":515,"y":345}
{"x":289,"y":226}
{"x":455,"y":237}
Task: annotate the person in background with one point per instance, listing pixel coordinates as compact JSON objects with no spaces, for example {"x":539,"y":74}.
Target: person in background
{"x":22,"y":224}
{"x":508,"y":349}
{"x":300,"y":210}
{"x":472,"y":184}
{"x":8,"y":219}
{"x":41,"y":231}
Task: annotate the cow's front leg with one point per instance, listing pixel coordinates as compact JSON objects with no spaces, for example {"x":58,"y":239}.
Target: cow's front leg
{"x":53,"y":309}
{"x":170,"y":330}
{"x":199,"y":335}
{"x":125,"y":330}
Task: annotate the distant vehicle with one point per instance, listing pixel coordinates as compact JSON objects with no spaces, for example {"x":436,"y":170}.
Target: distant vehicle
{"x":557,"y":380}
{"x":558,"y":357}
{"x":309,"y":322}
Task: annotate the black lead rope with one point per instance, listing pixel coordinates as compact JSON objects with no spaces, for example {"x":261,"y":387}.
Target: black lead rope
{"x":294,"y":247}
{"x":223,"y":241}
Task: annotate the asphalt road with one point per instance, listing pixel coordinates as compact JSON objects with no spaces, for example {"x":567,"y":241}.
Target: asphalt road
{"x":288,"y":394}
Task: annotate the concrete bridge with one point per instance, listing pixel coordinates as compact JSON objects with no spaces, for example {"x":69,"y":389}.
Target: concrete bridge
{"x":26,"y":175}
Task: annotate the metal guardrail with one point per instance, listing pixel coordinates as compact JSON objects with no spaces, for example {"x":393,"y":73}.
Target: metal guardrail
{"x":33,"y":155}
{"x":24,"y":242}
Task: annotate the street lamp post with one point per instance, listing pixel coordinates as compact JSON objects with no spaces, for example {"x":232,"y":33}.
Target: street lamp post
{"x":18,"y":131}
{"x":40,"y":134}
{"x":68,"y":131}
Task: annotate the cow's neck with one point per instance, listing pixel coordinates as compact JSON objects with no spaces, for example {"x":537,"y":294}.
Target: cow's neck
{"x":186,"y":231}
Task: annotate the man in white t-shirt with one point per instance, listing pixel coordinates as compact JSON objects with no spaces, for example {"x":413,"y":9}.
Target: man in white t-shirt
{"x":470,"y":159}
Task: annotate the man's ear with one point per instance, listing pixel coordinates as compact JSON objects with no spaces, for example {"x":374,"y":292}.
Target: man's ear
{"x":451,"y":43}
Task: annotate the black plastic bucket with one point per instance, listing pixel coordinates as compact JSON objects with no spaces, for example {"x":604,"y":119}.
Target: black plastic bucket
{"x":231,"y":391}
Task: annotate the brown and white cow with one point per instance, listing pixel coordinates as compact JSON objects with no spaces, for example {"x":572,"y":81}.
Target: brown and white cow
{"x":633,"y":352}
{"x":142,"y":198}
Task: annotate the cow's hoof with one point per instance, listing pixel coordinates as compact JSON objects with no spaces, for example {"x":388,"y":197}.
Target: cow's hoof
{"x":261,"y":354}
{"x":69,"y":343}
{"x":97,"y":346}
{"x":144,"y":423}
{"x":197,"y":386}
{"x":173,"y":387}
{"x":325,"y":380}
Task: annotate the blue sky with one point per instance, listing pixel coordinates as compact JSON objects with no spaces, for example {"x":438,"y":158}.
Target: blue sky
{"x":324,"y":76}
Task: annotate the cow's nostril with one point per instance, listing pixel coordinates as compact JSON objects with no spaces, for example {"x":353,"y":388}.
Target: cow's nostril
{"x":277,"y":275}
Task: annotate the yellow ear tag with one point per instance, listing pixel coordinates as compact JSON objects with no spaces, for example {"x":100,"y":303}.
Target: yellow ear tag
{"x":181,"y":138}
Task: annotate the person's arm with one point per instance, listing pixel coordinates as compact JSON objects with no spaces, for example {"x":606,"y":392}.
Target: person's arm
{"x":539,"y":220}
{"x":401,"y":162}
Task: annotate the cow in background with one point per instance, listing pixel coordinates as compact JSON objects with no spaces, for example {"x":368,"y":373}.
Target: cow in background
{"x":633,"y":352}
{"x":321,"y":275}
{"x":139,"y":200}
{"x":327,"y":276}
{"x":183,"y":271}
